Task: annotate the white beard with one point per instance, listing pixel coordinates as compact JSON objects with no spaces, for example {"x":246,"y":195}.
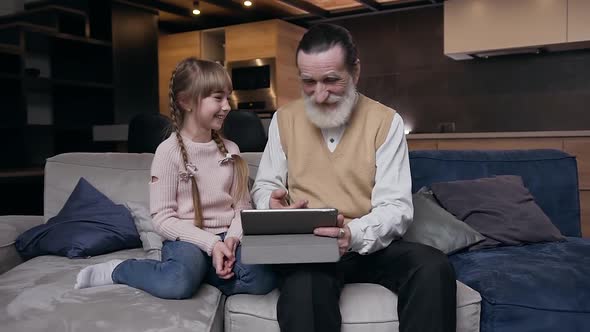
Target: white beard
{"x":336,"y":116}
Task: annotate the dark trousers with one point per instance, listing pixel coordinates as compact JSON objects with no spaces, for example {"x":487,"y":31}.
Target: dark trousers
{"x":421,"y":276}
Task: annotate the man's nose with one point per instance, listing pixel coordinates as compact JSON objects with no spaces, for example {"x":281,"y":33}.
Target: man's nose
{"x":321,"y":94}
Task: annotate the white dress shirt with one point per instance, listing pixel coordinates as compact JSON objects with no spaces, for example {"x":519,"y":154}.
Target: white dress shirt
{"x":391,"y":198}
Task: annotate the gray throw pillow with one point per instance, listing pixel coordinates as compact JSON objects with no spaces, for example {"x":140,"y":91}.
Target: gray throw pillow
{"x":500,"y":208}
{"x":151,"y":241}
{"x":434,"y":226}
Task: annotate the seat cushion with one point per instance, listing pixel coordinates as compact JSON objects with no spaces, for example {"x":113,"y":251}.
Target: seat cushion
{"x":378,"y":312}
{"x":537,"y":287}
{"x":39,"y":295}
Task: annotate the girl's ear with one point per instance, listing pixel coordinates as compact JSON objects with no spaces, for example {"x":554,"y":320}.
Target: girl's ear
{"x":185,"y":104}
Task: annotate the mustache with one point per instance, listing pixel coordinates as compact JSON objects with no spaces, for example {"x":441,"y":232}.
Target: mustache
{"x":332,"y":99}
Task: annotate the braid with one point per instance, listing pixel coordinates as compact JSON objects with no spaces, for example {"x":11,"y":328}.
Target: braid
{"x":177,"y":119}
{"x":220,"y":145}
{"x":240,"y":167}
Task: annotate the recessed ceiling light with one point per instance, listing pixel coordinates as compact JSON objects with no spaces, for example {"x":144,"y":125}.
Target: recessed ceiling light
{"x":196,"y":12}
{"x":247,"y":3}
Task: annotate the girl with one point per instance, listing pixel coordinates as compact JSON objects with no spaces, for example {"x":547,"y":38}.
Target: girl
{"x":198,"y":188}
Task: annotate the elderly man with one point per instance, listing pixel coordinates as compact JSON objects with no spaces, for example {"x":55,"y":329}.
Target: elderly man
{"x":338,"y":148}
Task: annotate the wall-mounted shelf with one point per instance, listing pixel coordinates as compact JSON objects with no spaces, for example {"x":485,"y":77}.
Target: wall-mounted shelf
{"x":55,"y":83}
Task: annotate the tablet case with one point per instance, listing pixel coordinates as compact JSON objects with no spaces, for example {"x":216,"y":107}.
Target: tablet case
{"x":286,"y":237}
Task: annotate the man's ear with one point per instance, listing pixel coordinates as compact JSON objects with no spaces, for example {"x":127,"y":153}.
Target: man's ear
{"x":357,"y":71}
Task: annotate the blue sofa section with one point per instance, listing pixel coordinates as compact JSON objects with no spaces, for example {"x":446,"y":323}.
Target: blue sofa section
{"x":539,"y":287}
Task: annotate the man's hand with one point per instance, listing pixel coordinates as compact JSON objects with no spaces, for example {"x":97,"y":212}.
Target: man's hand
{"x":279,"y":200}
{"x":341,"y":232}
{"x":232,"y":243}
{"x":219,"y":256}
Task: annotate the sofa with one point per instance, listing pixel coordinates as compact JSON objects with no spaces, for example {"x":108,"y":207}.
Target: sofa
{"x":38,"y":295}
{"x":535,"y":287}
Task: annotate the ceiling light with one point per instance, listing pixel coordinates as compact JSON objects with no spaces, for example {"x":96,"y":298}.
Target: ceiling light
{"x":196,"y":10}
{"x":247,"y":3}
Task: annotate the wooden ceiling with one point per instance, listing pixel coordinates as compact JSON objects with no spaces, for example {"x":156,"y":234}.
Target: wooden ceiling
{"x":175,"y":15}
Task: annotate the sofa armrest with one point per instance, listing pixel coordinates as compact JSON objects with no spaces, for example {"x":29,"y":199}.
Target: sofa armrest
{"x":10,"y":228}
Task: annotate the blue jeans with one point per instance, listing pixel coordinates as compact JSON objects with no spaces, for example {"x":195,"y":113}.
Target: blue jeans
{"x":184,"y":267}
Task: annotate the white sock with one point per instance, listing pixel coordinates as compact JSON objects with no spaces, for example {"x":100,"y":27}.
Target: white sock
{"x":96,"y":275}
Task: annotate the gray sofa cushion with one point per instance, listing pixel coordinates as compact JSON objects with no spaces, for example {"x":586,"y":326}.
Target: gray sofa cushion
{"x":107,"y":172}
{"x":436,"y":227}
{"x":378,"y":312}
{"x":10,"y":228}
{"x":151,"y":241}
{"x":39,"y":295}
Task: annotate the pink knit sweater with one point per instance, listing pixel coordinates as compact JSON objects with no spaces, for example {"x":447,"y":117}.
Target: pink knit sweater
{"x":171,"y":202}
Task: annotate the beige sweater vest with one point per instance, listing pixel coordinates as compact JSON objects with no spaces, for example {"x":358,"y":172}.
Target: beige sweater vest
{"x":342,"y":179}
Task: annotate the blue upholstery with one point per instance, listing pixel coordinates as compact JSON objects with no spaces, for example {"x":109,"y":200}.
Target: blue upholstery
{"x":538,"y":287}
{"x":550,"y":175}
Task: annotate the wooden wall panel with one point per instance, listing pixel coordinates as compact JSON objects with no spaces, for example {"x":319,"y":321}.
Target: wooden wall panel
{"x":403,"y":67}
{"x":585,"y":210}
{"x":580,"y":147}
{"x":251,"y":40}
{"x":173,"y":48}
{"x":288,"y":82}
{"x":422,"y":144}
{"x":501,"y":144}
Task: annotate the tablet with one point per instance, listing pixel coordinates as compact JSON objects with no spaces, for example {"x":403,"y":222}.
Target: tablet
{"x":287,"y":221}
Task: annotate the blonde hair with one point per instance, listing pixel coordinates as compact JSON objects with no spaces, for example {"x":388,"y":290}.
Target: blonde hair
{"x":196,"y":79}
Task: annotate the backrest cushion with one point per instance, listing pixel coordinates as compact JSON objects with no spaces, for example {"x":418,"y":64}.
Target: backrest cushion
{"x":501,"y":208}
{"x":550,"y":175}
{"x":122,"y":177}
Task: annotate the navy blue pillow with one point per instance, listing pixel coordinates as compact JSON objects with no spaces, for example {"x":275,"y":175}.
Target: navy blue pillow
{"x":89,"y":224}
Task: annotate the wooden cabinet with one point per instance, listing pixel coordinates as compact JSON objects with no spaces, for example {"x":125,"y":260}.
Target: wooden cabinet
{"x":585,"y":211}
{"x":251,"y":40}
{"x":267,"y":39}
{"x":474,"y":26}
{"x":576,"y":146}
{"x":172,"y":49}
{"x":288,"y":86}
{"x":500,"y":144}
{"x":422,"y":144}
{"x":578,"y":12}
{"x":580,"y":147}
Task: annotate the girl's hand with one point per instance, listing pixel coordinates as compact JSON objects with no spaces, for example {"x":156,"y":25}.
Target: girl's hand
{"x":232,"y":243}
{"x":219,"y":256}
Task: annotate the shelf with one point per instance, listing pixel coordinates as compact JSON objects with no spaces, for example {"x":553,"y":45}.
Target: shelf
{"x":82,"y":84}
{"x":12,"y":49}
{"x":25,"y":172}
{"x":61,"y":19}
{"x":53,"y":33}
{"x":41,"y":83}
{"x":47,"y":8}
{"x":10,"y":76}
